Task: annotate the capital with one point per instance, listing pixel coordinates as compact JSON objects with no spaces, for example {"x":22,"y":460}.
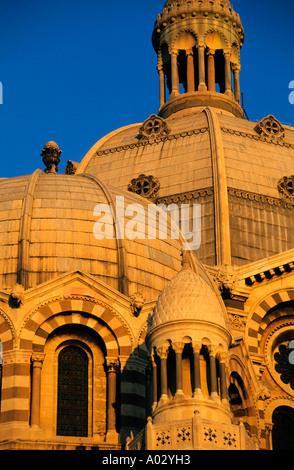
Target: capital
{"x":37,"y":359}
{"x":111,"y":365}
{"x":178,"y":347}
{"x":162,"y":352}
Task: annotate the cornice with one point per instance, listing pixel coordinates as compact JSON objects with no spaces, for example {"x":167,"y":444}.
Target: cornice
{"x":272,"y":201}
{"x":146,"y":142}
{"x":258,"y":137}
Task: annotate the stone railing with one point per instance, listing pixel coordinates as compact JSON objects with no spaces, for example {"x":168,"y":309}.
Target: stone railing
{"x":192,"y":434}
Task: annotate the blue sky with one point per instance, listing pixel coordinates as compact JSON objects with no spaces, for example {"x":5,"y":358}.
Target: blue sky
{"x":74,"y":70}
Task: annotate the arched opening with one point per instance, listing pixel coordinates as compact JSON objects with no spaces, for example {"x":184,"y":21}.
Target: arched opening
{"x":283,"y":428}
{"x":88,"y":382}
{"x":188,"y":368}
{"x":72,"y":395}
{"x":171,"y":373}
{"x":237,"y":396}
{"x":205,"y":372}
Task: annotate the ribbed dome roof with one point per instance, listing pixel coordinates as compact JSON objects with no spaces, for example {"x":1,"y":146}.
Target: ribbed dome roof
{"x":46,"y":230}
{"x":188,"y":296}
{"x":184,"y":164}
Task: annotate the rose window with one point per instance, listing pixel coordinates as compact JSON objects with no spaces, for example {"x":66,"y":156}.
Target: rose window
{"x":153,"y":128}
{"x":286,"y":186}
{"x":271,"y":128}
{"x":146,"y":186}
{"x":283,"y":365}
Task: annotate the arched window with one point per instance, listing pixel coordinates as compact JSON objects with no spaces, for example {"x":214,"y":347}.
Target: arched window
{"x":283,"y":428}
{"x":237,"y":395}
{"x":72,"y":398}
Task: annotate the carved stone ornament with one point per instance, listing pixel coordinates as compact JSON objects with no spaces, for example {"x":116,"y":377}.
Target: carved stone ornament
{"x":16,"y":296}
{"x":146,"y":186}
{"x":71,"y":168}
{"x":154,"y":127}
{"x":51,"y":157}
{"x":137,"y":303}
{"x":286,"y":187}
{"x":270,"y":127}
{"x":225,"y":278}
{"x":237,"y":322}
{"x":263,"y":393}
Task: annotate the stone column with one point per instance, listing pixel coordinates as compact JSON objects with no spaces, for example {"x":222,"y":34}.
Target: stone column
{"x":178,"y":348}
{"x":162,"y":353}
{"x":268,"y":436}
{"x":228,"y":80}
{"x":211,"y":70}
{"x":190,"y":72}
{"x":223,"y":382}
{"x":37,"y":363}
{"x":154,"y":382}
{"x":212,"y":369}
{"x":236,"y":71}
{"x":112,"y":367}
{"x":174,"y":74}
{"x":197,"y":379}
{"x":201,"y":61}
{"x":162,"y":97}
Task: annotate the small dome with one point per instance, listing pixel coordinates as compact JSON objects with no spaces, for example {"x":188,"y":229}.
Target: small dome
{"x":188,"y":296}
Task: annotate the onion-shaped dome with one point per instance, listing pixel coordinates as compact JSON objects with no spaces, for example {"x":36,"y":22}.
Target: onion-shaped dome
{"x":189,"y":297}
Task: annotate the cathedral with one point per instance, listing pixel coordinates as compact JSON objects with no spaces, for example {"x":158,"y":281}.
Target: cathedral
{"x":147,"y":293}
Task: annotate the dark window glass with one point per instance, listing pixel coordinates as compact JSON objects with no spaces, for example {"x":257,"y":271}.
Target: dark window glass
{"x":72,"y":400}
{"x":283,"y":428}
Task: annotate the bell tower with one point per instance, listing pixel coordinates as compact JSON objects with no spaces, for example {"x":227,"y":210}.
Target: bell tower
{"x":198,"y":46}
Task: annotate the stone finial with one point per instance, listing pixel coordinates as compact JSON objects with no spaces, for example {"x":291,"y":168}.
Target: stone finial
{"x":51,"y":157}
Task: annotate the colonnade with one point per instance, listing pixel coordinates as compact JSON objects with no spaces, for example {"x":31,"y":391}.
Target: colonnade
{"x":216,"y":369}
{"x":111,"y":367}
{"x":206,"y":73}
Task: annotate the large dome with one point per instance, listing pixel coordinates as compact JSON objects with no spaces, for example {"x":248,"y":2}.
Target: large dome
{"x":205,"y":152}
{"x":47,"y":223}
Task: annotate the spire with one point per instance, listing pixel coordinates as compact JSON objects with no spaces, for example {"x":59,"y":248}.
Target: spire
{"x":198,"y":45}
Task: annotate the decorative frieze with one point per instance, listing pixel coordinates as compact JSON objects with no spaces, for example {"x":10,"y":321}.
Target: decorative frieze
{"x":145,"y":142}
{"x":261,"y":198}
{"x":270,"y":273}
{"x":259,"y":137}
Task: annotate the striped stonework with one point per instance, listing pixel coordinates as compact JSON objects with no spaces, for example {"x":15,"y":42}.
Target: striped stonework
{"x":7,"y":332}
{"x":260,"y":320}
{"x":32,"y":336}
{"x":77,"y":310}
